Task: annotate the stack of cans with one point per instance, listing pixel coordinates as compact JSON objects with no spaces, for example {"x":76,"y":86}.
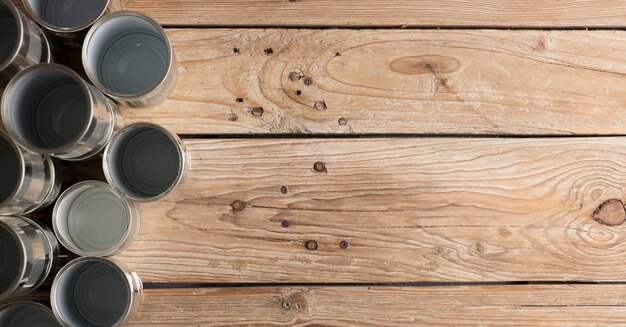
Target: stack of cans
{"x":52,"y":115}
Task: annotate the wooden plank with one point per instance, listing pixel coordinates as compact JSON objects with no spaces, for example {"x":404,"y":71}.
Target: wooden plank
{"x":409,"y":209}
{"x":528,"y":305}
{"x":394,"y":81}
{"x":406,"y":13}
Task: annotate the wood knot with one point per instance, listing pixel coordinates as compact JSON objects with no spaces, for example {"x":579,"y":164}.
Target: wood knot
{"x":238,"y":205}
{"x":610,"y":213}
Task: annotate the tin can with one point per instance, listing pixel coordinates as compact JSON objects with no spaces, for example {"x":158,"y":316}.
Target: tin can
{"x":29,"y":180}
{"x":29,"y":254}
{"x":93,"y":291}
{"x":129,"y":57}
{"x":69,"y":20}
{"x":23,"y":43}
{"x":145,"y":161}
{"x":27,"y":314}
{"x":92,"y":219}
{"x":49,"y":109}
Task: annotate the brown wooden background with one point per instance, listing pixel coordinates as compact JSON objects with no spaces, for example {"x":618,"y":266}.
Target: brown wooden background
{"x":386,"y":163}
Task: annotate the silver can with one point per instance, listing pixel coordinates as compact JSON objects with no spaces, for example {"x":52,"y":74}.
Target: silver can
{"x":29,"y":180}
{"x":29,"y":254}
{"x":23,"y":43}
{"x":27,"y":314}
{"x":92,"y":291}
{"x":129,"y":57}
{"x":49,"y":109}
{"x":145,"y":161}
{"x":69,"y":20}
{"x":92,"y":219}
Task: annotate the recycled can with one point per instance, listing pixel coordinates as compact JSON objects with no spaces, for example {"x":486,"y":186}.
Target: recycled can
{"x":129,"y":57}
{"x":144,"y":161}
{"x":27,"y":314}
{"x":91,"y":219}
{"x":29,"y":254}
{"x":94,"y":291}
{"x":23,"y":43}
{"x":50,"y":109}
{"x":29,"y":180}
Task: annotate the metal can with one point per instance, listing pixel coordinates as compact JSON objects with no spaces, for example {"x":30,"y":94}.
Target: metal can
{"x":49,"y":109}
{"x":92,"y":219}
{"x":29,"y":254}
{"x":69,"y":20}
{"x":129,"y":57}
{"x":145,"y":161}
{"x":93,"y":291}
{"x":29,"y":180}
{"x":27,"y":314}
{"x":23,"y":43}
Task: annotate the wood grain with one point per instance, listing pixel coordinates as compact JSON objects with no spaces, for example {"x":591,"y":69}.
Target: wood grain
{"x":411,"y":209}
{"x":527,"y":305}
{"x":393,"y":81}
{"x":403,"y":13}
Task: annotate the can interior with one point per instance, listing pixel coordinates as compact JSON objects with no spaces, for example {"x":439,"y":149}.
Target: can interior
{"x":91,"y":293}
{"x":144,"y":162}
{"x":92,"y":219}
{"x":47,"y":108}
{"x":10,"y":259}
{"x":68,"y":13}
{"x":8,"y":33}
{"x":10,"y":169}
{"x":128,"y":55}
{"x":27,"y":315}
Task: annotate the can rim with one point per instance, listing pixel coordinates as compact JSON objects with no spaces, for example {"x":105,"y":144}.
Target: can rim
{"x":19,"y":22}
{"x":60,"y":29}
{"x":180,"y":148}
{"x":5,"y":110}
{"x":20,"y":180}
{"x":127,"y":238}
{"x":94,"y":29}
{"x":8,"y":292}
{"x":29,"y":303}
{"x":130,"y":289}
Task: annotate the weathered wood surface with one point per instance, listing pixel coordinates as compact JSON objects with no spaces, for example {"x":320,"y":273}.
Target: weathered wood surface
{"x":394,"y":81}
{"x":527,"y":305}
{"x":404,"y":13}
{"x":409,"y":209}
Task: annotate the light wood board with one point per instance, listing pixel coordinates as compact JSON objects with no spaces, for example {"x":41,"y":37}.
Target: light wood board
{"x":393,"y":81}
{"x":410,"y":209}
{"x":524,"y":305}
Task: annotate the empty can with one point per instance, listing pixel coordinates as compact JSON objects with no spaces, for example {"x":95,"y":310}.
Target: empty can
{"x":29,"y":253}
{"x":129,"y":57}
{"x":144,"y":161}
{"x":69,"y":19}
{"x":49,"y":109}
{"x":23,"y":43}
{"x":29,"y":180}
{"x":95,"y":292}
{"x":92,"y":219}
{"x":27,"y":314}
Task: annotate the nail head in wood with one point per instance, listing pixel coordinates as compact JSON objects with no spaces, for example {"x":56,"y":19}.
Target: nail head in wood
{"x":344,"y":244}
{"x":320,"y":105}
{"x":343,"y":121}
{"x":238,"y":205}
{"x":257,"y":111}
{"x":311,"y":245}
{"x":284,"y":189}
{"x":308,"y":80}
{"x":285,"y":223}
{"x":319,"y":167}
{"x":286,"y":304}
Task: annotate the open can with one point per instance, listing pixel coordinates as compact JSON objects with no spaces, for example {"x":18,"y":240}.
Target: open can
{"x":50,"y":109}
{"x":27,"y":314}
{"x":69,"y":20}
{"x":22,"y":44}
{"x":94,"y":291}
{"x":29,"y":180}
{"x":129,"y":57}
{"x":29,"y":254}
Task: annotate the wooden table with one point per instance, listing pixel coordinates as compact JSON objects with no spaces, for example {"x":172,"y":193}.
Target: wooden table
{"x":386,"y":163}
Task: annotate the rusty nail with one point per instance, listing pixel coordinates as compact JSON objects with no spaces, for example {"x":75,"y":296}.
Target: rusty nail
{"x":308,"y":80}
{"x":284,"y":190}
{"x":319,"y":167}
{"x":286,"y":304}
{"x":311,"y":245}
{"x":238,"y":205}
{"x":257,"y":111}
{"x":285,"y":223}
{"x":320,"y":105}
{"x":343,"y":244}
